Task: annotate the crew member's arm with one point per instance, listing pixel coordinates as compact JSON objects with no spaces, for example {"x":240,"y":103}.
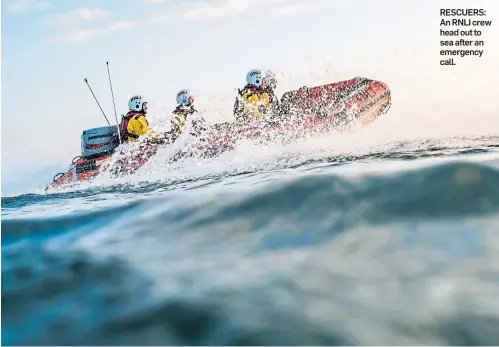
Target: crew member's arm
{"x":138,"y":126}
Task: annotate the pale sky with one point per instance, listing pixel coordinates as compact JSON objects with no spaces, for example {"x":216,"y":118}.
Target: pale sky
{"x":157,"y":47}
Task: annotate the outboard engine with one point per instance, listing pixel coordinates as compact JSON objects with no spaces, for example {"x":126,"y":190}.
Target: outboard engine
{"x":97,"y":142}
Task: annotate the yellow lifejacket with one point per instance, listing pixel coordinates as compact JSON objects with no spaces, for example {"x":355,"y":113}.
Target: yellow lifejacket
{"x":254,"y":104}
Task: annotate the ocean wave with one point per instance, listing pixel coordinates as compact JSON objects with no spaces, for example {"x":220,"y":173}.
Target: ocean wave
{"x":399,"y":150}
{"x":445,"y":190}
{"x":313,"y":258}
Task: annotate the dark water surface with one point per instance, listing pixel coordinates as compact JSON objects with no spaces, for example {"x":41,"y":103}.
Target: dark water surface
{"x":393,"y":246}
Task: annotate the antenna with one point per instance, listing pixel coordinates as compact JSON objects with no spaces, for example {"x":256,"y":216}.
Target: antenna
{"x":112,"y":94}
{"x":86,"y":81}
